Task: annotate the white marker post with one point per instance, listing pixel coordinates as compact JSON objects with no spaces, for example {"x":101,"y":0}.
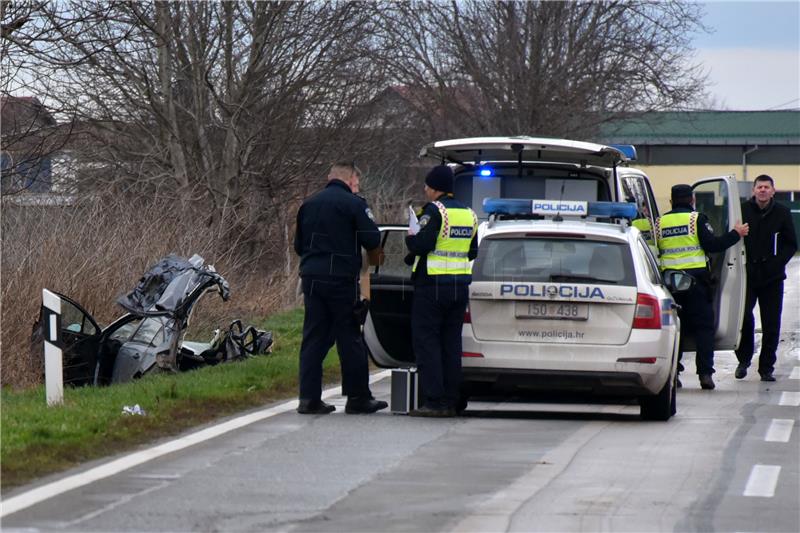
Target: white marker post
{"x":53,"y":363}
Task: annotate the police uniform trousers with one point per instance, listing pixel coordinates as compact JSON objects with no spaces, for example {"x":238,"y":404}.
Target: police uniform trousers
{"x":770,"y":305}
{"x":329,"y":318}
{"x":437,"y":317}
{"x":697,"y":319}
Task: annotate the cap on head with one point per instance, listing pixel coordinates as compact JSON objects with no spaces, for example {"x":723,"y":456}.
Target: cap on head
{"x":681,"y":192}
{"x":440,"y":178}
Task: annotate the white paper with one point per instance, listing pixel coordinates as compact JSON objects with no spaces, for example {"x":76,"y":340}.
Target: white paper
{"x":413,"y":222}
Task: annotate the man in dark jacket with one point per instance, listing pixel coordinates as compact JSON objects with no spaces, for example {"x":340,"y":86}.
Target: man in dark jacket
{"x":332,"y":227}
{"x":684,"y":237}
{"x":769,"y":247}
{"x":441,"y":253}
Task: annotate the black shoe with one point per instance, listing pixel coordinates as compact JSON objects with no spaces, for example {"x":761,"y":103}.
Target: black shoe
{"x":767,"y":376}
{"x":433,"y":412}
{"x":741,"y":372}
{"x":706,"y":382}
{"x":314,"y":407}
{"x":678,"y":382}
{"x":364,"y":406}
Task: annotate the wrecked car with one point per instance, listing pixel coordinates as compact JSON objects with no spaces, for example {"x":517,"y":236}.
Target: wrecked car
{"x":151,"y":334}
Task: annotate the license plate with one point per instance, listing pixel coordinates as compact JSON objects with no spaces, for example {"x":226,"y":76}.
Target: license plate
{"x":552,"y":310}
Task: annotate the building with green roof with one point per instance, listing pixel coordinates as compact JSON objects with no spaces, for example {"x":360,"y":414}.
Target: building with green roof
{"x":682,"y":147}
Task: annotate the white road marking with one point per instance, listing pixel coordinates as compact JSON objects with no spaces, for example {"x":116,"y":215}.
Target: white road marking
{"x":795,"y":372}
{"x":780,"y":430}
{"x":790,"y":398}
{"x":762,"y":481}
{"x":39,"y":494}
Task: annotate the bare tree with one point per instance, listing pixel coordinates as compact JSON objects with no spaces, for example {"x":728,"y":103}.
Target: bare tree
{"x":539,"y":67}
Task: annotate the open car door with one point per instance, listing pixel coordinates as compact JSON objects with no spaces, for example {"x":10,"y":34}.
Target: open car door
{"x":718,"y":199}
{"x":80,"y":337}
{"x":387,"y":331}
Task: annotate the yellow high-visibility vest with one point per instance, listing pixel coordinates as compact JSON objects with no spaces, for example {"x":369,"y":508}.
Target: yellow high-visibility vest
{"x":451,"y":254}
{"x":643,"y":225}
{"x":678,"y":241}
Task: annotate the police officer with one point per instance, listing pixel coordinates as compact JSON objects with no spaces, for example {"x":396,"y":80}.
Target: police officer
{"x":332,"y":227}
{"x":684,"y":236}
{"x":769,"y":247}
{"x":442,"y":251}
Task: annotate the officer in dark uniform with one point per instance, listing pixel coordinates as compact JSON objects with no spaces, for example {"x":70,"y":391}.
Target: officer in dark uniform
{"x":332,"y":227}
{"x":441,"y":253}
{"x":684,"y":237}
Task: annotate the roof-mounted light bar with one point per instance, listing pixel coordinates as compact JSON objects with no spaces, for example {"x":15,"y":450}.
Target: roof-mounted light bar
{"x":519,"y":206}
{"x":628,"y":150}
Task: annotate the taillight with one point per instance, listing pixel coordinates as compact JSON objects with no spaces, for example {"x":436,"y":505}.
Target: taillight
{"x":647,"y":314}
{"x":467,"y":317}
{"x":471,"y":354}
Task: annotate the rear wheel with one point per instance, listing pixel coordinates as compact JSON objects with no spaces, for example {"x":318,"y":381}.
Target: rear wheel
{"x":661,"y":406}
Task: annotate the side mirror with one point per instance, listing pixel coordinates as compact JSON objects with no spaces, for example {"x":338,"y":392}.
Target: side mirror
{"x":678,"y":280}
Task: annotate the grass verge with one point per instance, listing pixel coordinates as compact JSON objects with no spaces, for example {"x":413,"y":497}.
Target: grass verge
{"x":39,"y":440}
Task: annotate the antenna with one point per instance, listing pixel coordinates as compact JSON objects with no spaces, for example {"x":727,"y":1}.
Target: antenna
{"x":558,"y":217}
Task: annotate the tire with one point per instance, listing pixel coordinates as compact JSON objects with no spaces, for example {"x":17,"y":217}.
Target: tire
{"x":661,"y":406}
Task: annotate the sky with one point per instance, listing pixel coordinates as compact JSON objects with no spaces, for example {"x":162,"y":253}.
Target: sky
{"x":753,"y":54}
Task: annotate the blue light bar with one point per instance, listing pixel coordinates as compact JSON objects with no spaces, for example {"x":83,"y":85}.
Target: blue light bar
{"x":519,"y":206}
{"x":486,"y":172}
{"x":628,"y":150}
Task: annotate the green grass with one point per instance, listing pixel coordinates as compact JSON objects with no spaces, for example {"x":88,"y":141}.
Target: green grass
{"x":39,"y":440}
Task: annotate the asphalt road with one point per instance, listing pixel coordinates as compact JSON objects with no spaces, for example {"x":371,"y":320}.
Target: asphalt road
{"x":728,"y":461}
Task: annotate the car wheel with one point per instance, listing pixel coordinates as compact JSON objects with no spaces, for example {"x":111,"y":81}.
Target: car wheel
{"x":660,"y":406}
{"x":673,"y":408}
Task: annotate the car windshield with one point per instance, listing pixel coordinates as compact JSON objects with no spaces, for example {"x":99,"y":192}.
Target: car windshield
{"x":554,"y":260}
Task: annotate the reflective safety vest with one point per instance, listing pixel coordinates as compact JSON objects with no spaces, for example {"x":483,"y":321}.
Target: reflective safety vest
{"x":676,"y":235}
{"x":643,"y":225}
{"x":451,"y":254}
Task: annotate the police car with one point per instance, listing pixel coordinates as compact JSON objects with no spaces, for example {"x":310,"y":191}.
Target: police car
{"x":566,"y":295}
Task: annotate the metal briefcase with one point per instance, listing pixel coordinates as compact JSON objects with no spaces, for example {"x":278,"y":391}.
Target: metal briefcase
{"x":406,"y":393}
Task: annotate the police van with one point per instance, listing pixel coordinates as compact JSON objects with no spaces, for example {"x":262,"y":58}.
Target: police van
{"x":566,"y":294}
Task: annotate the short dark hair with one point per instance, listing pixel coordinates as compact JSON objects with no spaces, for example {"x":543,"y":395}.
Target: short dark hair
{"x":763,"y":177}
{"x":348,"y":166}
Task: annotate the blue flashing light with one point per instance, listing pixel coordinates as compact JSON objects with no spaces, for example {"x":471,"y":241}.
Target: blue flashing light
{"x":613,"y":209}
{"x":519,"y":206}
{"x":628,"y":150}
{"x":486,"y":172}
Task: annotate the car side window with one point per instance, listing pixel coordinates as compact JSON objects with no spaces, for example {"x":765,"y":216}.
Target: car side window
{"x":124,"y":332}
{"x":395,"y":251}
{"x":148,"y":331}
{"x":637,"y":190}
{"x":711,"y":199}
{"x":650,"y":264}
{"x":73,"y":319}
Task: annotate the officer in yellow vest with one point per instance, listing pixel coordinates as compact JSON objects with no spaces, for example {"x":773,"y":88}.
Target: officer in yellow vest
{"x":684,"y":236}
{"x":643,"y":224}
{"x":442,"y":249}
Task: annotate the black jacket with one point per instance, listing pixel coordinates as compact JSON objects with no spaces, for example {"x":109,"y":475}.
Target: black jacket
{"x":771,"y":242}
{"x":424,"y":242}
{"x":332,"y":226}
{"x":710,"y":243}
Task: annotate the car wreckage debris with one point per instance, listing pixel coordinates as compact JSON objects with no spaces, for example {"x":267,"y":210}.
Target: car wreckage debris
{"x":151,"y":335}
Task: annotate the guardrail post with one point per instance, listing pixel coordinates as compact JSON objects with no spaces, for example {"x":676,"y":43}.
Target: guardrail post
{"x":53,"y":363}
